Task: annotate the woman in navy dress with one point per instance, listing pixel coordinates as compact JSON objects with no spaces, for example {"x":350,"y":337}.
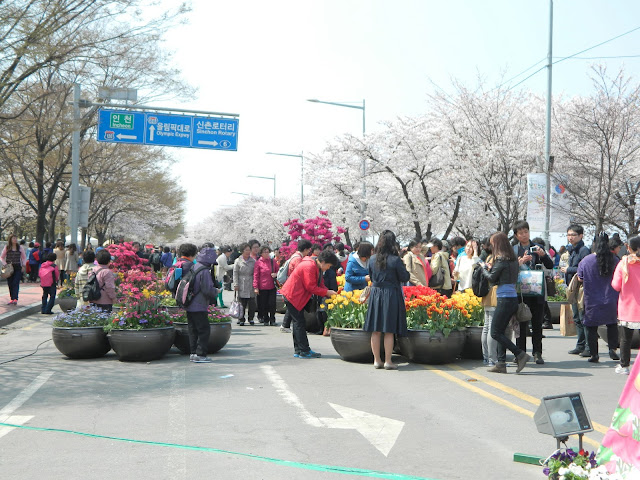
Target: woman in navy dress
{"x":386,"y":312}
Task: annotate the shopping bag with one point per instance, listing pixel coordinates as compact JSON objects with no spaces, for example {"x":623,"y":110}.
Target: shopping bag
{"x":567,"y":325}
{"x":236,"y":310}
{"x":531,"y":283}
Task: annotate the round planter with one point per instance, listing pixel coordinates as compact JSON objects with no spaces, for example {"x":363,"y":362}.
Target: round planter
{"x":67,"y":303}
{"x":420,"y":347}
{"x":280,"y":305}
{"x":554,"y":308}
{"x":141,"y":345}
{"x":473,"y":343}
{"x":354,"y":344}
{"x":218,"y":337}
{"x":81,"y":342}
{"x":635,"y":340}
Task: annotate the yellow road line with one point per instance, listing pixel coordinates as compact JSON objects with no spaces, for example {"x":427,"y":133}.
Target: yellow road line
{"x":598,"y":427}
{"x":493,"y":397}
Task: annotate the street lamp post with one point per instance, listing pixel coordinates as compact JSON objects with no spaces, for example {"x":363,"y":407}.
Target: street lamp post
{"x":363,"y":205}
{"x":301,"y":157}
{"x":267,"y":178}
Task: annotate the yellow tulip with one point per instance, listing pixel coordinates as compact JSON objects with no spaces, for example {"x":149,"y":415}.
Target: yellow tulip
{"x":330,"y":306}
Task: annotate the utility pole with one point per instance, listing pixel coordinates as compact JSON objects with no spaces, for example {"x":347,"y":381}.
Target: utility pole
{"x":74,"y":199}
{"x":547,"y":135}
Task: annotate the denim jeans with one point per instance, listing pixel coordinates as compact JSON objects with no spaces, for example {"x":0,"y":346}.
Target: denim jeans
{"x":506,"y":308}
{"x":14,"y":283}
{"x":48,"y":298}
{"x":299,"y":329}
{"x":581,"y":344}
{"x":489,"y":345}
{"x":199,"y":330}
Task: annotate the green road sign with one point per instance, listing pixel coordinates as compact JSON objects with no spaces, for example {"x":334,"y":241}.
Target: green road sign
{"x":121,"y":120}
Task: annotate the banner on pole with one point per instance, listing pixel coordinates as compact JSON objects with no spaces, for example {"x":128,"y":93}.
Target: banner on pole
{"x":536,"y":204}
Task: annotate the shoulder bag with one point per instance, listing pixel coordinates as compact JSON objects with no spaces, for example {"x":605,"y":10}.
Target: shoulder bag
{"x":7,"y":270}
{"x":236,"y":310}
{"x":437,"y":279}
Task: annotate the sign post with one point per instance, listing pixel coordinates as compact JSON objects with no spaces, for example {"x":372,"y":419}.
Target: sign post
{"x":364,"y":225}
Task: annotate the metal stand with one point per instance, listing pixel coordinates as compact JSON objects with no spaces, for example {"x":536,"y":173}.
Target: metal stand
{"x":564,"y":440}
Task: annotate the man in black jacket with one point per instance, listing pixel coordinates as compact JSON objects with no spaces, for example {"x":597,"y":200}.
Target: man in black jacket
{"x":529,"y":255}
{"x":577,"y":251}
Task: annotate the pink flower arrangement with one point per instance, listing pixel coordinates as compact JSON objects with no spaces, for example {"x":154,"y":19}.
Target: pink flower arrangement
{"x":317,"y":230}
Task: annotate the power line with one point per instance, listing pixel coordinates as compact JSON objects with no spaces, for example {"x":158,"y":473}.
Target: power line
{"x":527,"y":78}
{"x":598,"y":58}
{"x":595,"y":46}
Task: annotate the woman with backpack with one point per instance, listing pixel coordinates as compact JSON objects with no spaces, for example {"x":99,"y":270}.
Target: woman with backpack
{"x":35,"y":259}
{"x":107,"y":281}
{"x":88,"y":257}
{"x":264,"y":275}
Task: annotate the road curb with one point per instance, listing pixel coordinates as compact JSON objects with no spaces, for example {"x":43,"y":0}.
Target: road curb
{"x":19,"y":313}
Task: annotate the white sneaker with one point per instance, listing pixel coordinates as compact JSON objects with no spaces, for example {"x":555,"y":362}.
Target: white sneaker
{"x":199,"y":359}
{"x":192,"y":357}
{"x":622,"y":370}
{"x":285,"y":330}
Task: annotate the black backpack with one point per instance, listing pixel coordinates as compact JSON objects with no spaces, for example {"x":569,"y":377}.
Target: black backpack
{"x":479,"y":283}
{"x":185,"y":291}
{"x":91,"y":290}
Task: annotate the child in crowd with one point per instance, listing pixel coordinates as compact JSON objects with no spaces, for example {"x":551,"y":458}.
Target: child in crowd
{"x":49,"y":275}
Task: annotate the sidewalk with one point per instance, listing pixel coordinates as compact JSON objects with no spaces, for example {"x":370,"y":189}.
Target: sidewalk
{"x":29,"y":302}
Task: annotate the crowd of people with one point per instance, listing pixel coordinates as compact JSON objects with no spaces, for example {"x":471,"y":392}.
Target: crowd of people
{"x":607,"y":277}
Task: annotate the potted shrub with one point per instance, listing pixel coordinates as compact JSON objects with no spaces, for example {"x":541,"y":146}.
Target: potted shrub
{"x":219,"y":335}
{"x":556,"y":301}
{"x":80,"y":333}
{"x":575,"y":465}
{"x":473,"y":324}
{"x":169,"y":303}
{"x":345,"y":317}
{"x":140,"y":331}
{"x":436,"y":327}
{"x":66,"y":297}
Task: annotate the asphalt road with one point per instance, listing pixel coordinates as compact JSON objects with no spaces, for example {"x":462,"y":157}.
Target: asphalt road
{"x":258,"y":413}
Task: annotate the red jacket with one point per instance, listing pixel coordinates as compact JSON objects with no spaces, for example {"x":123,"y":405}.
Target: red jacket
{"x":303,"y":283}
{"x":262,"y":279}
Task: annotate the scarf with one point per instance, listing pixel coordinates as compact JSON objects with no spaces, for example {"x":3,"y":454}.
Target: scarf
{"x":626,"y":261}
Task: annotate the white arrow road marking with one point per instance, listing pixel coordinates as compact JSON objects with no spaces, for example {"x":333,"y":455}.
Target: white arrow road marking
{"x":6,"y":413}
{"x":213,"y":143}
{"x":381,"y":432}
{"x":152,"y":129}
{"x":127,"y":137}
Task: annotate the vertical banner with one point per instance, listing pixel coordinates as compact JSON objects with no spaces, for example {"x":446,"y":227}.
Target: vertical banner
{"x":536,"y":204}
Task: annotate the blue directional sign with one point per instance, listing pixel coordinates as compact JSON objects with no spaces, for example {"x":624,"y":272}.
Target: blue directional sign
{"x":221,"y":133}
{"x":120,"y":127}
{"x":169,"y":130}
{"x":364,"y":225}
{"x":148,"y":128}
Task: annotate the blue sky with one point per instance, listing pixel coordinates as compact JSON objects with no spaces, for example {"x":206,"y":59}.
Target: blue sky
{"x":264,"y":59}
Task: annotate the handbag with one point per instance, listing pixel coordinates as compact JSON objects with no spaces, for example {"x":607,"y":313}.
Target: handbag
{"x":531,"y":283}
{"x":364,"y":296}
{"x":312,"y":304}
{"x":523,"y":314}
{"x":575,"y":292}
{"x":7,"y":270}
{"x":437,"y":280}
{"x":236,"y":310}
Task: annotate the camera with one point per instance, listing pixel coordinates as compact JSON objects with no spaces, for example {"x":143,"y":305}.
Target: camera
{"x":533,"y":249}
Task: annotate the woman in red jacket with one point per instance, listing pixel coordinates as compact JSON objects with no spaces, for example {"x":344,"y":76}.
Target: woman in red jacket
{"x":305,"y":281}
{"x":264,"y":274}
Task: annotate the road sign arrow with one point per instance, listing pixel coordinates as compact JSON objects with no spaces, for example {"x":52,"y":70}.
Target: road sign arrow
{"x":381,"y":432}
{"x":120,"y":136}
{"x":152,"y":129}
{"x":213,"y":143}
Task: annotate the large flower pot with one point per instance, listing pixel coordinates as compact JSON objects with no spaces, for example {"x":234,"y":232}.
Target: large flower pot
{"x":67,"y":303}
{"x":473,"y":343}
{"x":81,"y":342}
{"x":141,"y":345}
{"x":218,"y":337}
{"x":635,"y":340}
{"x":281,"y":307}
{"x":420,"y":347}
{"x":354,"y":344}
{"x":554,"y":308}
